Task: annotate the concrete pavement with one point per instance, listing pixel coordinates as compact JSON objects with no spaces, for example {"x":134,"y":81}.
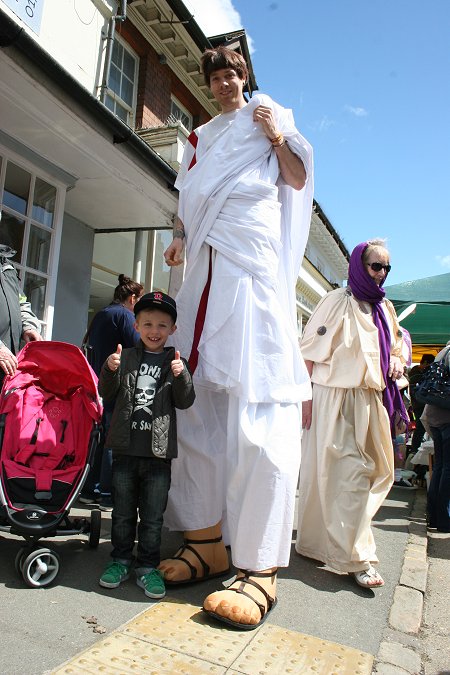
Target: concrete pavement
{"x":320,"y":617}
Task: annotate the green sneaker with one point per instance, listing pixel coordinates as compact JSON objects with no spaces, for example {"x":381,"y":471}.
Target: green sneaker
{"x":115,"y":572}
{"x":152,"y":583}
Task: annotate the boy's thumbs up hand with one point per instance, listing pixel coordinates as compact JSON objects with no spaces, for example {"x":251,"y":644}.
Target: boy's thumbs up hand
{"x":177,"y":364}
{"x":113,"y":360}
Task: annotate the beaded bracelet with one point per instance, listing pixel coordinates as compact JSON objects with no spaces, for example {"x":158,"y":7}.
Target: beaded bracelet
{"x":277,"y":140}
{"x":282,"y":142}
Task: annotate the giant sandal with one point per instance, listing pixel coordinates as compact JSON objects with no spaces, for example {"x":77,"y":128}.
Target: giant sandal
{"x":206,"y":569}
{"x":265,"y":611}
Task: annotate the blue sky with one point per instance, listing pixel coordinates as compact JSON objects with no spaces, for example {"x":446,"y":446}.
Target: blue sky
{"x":368,"y":81}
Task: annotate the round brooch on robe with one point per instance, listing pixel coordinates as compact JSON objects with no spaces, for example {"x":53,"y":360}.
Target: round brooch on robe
{"x":321,"y":330}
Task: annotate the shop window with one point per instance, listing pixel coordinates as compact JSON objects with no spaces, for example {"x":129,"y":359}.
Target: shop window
{"x":28,"y":208}
{"x":44,"y":202}
{"x":17,"y":188}
{"x":12,"y":232}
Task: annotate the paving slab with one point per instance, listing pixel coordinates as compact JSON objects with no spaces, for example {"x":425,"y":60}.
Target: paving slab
{"x":396,"y":654}
{"x":406,"y":610}
{"x":312,"y":600}
{"x":175,"y":637}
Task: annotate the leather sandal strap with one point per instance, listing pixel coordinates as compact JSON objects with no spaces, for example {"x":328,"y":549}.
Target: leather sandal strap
{"x":191,"y":567}
{"x":203,"y":541}
{"x":188,"y":547}
{"x":261,"y":607}
{"x":250,"y":573}
{"x":246,"y":580}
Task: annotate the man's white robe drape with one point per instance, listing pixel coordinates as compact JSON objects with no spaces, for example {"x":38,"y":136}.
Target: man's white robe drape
{"x":239,"y":214}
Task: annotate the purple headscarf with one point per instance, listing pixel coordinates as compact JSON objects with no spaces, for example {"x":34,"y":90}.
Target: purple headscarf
{"x":366,"y":289}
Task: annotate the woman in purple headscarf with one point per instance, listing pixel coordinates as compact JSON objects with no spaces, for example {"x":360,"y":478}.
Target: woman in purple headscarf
{"x":352,"y":346}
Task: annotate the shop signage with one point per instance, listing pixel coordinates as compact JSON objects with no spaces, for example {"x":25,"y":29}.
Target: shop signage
{"x":30,"y":11}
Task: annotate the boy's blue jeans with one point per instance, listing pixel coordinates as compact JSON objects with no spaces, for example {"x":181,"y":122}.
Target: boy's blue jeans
{"x":139,"y":485}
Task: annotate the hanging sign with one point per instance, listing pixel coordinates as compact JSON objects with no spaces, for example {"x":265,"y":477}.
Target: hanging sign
{"x":30,"y":11}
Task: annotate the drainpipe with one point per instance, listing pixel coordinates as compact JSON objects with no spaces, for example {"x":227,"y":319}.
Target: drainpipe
{"x":138,"y":255}
{"x":109,"y":47}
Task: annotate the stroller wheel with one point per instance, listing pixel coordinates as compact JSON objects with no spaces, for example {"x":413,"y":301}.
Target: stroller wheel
{"x":40,"y":567}
{"x":95,"y":528}
{"x":20,"y":557}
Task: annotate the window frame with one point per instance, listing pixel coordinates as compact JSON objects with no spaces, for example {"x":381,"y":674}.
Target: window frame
{"x":55,"y":231}
{"x":184,"y":110}
{"x":131,"y":111}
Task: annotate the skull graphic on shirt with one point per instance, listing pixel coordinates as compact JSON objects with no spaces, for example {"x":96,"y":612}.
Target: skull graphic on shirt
{"x":145,"y":393}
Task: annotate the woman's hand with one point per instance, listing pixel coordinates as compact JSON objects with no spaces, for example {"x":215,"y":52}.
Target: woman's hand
{"x":396,"y":368}
{"x":31,"y":335}
{"x":306,"y":414}
{"x":8,"y":362}
{"x":173,"y":253}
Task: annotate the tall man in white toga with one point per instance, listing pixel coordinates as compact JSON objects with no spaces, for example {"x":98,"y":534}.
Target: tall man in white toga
{"x":244,"y":212}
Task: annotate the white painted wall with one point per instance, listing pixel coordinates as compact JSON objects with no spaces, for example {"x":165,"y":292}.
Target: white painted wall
{"x":71,"y":32}
{"x":319,"y":258}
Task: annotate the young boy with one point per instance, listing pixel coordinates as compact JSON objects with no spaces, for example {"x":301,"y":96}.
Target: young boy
{"x":149,"y":381}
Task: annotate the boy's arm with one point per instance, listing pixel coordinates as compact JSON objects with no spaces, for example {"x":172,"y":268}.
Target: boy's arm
{"x":183,"y":388}
{"x":108,"y":383}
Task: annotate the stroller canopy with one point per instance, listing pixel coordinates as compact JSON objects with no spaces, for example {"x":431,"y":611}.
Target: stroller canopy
{"x":59,"y":367}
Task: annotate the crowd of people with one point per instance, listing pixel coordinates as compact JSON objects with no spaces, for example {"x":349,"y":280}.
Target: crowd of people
{"x":206,"y":397}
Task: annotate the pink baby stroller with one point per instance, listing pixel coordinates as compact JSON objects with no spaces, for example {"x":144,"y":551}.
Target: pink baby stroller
{"x":50,"y":417}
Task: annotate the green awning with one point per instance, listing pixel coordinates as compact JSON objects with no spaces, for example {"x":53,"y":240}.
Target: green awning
{"x":429,"y":323}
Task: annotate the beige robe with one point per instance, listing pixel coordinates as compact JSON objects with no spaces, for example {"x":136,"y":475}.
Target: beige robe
{"x":347,"y":455}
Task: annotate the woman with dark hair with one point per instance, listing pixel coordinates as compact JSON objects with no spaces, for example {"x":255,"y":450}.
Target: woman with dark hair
{"x":112,"y":325}
{"x":245,"y":205}
{"x":352,"y":346}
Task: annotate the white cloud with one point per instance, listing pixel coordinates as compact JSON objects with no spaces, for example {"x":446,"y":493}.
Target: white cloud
{"x":216,"y":16}
{"x":444,"y":260}
{"x":323,"y":124}
{"x":358,"y":112}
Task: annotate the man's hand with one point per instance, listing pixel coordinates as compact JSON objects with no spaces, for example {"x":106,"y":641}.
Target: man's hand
{"x":113,"y":360}
{"x":306,"y":414}
{"x":31,"y":335}
{"x":264,"y":116}
{"x":172,"y":255}
{"x":177,"y":365}
{"x":8,"y":362}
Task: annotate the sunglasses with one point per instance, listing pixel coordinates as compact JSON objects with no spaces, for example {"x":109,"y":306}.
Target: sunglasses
{"x":377,"y":267}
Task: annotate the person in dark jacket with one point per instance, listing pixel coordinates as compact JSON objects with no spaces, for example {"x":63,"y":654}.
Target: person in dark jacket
{"x":17,"y":321}
{"x":415,"y":377}
{"x":112,"y":325}
{"x":148,"y":383}
{"x":437,"y":419}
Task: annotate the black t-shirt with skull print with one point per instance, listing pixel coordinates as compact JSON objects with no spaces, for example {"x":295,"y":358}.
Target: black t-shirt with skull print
{"x":141,"y":420}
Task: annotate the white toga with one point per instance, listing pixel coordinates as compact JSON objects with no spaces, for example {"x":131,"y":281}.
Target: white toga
{"x":250,"y":378}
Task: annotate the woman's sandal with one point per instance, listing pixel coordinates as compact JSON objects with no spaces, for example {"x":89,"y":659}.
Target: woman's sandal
{"x":265,"y":611}
{"x":206,"y":569}
{"x":368,"y":578}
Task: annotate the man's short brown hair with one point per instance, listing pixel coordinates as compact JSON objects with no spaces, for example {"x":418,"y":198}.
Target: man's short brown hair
{"x":220,"y":58}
